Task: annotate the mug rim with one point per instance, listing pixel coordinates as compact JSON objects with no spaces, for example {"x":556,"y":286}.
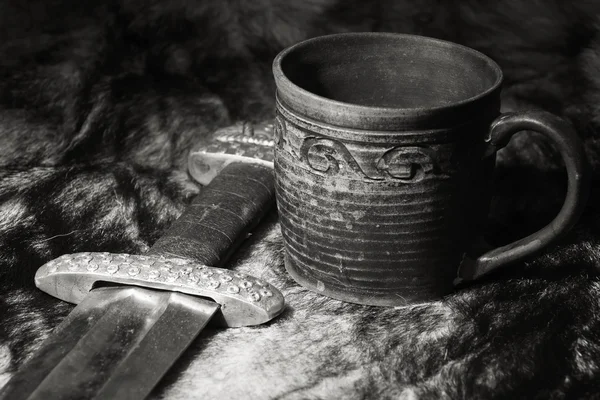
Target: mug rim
{"x":379,"y":115}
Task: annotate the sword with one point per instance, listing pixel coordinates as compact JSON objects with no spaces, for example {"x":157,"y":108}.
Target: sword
{"x":136,"y":314}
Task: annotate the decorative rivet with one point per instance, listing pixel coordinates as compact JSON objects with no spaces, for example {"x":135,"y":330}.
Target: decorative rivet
{"x":233,"y":289}
{"x":103,"y":260}
{"x":133,"y":271}
{"x":161,"y":265}
{"x":213,"y":284}
{"x":266,"y":293}
{"x":83,"y":257}
{"x":112,"y":269}
{"x":199,"y":270}
{"x":153,"y":274}
{"x":186,"y":270}
{"x":253,"y":296}
{"x":144,"y":260}
{"x":246,"y":284}
{"x":92,"y":266}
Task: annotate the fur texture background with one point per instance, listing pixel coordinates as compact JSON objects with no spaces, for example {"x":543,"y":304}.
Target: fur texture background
{"x":101,"y":100}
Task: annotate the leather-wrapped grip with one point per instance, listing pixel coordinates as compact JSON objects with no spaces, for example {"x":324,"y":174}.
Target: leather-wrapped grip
{"x":220,"y":217}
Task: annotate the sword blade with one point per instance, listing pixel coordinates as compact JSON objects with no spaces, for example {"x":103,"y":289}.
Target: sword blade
{"x":116,"y":344}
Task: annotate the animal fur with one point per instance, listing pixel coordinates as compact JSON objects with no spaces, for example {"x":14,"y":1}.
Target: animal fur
{"x":100,"y":102}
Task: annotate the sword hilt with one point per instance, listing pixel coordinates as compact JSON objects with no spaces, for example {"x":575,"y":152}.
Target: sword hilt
{"x":236,"y":167}
{"x":239,"y":191}
{"x":221,"y":216}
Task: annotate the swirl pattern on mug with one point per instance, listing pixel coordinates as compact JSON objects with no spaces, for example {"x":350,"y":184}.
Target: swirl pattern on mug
{"x":409,"y":163}
{"x":327,"y":156}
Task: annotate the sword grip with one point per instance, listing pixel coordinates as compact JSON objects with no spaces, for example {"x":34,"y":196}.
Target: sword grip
{"x":221,"y":216}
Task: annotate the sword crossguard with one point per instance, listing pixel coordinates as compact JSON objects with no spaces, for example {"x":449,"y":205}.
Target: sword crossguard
{"x":244,"y":300}
{"x":243,"y":142}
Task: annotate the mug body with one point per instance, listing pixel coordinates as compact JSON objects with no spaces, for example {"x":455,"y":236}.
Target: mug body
{"x":382,"y":180}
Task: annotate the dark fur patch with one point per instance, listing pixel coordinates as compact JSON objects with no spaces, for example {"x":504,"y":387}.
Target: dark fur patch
{"x":99,"y":104}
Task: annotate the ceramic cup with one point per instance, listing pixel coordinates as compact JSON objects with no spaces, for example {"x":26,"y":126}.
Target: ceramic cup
{"x":385,"y":147}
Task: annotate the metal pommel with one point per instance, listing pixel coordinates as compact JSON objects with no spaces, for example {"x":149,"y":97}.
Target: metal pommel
{"x":243,"y":142}
{"x":244,"y":300}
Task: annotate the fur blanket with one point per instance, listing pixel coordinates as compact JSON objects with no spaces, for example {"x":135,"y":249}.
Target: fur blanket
{"x":100,"y":102}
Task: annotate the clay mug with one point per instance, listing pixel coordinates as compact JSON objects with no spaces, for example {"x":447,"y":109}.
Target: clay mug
{"x":385,"y":147}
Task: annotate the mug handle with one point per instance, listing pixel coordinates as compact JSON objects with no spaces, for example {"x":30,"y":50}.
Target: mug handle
{"x":574,"y":157}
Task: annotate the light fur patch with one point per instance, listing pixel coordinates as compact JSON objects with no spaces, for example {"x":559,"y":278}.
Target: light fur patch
{"x":5,"y":360}
{"x":12,"y":212}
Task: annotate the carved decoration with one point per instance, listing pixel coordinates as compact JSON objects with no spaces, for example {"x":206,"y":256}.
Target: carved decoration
{"x":330,"y":157}
{"x":279,"y":130}
{"x":408,"y":163}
